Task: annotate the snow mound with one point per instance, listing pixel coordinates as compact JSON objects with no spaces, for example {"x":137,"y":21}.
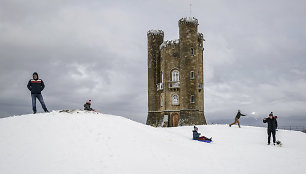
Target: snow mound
{"x":92,"y":143}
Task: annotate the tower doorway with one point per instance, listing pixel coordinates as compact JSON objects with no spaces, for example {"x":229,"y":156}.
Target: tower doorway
{"x":175,"y":119}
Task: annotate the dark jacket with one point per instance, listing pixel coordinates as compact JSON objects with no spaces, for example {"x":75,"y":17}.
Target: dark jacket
{"x":272,"y":123}
{"x":87,"y":107}
{"x":239,"y":115}
{"x":196,"y":135}
{"x":36,"y":85}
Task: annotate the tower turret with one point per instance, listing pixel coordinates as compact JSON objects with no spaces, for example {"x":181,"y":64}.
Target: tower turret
{"x":200,"y":78}
{"x":188,"y":29}
{"x":155,"y":39}
{"x":191,"y":72}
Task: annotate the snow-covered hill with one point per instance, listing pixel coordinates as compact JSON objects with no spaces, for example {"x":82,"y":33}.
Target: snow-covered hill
{"x":91,"y":143}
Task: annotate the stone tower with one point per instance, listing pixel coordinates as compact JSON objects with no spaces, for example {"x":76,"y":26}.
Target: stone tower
{"x":175,"y":77}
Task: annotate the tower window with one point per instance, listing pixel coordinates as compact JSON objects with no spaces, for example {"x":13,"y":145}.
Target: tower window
{"x":175,"y":76}
{"x":191,"y":74}
{"x":161,"y":101}
{"x":191,"y":51}
{"x":192,"y":99}
{"x":199,"y":77}
{"x":162,"y":77}
{"x":175,"y":99}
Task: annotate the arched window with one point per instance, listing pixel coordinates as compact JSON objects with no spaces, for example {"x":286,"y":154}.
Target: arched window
{"x":192,"y":99}
{"x":192,"y":51}
{"x":191,"y":74}
{"x":175,"y":76}
{"x":175,"y":99}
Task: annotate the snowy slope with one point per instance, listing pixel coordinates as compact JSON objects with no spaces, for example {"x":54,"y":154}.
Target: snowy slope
{"x":90,"y":143}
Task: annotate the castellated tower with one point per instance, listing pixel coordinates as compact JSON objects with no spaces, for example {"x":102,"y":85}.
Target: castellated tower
{"x":175,"y":77}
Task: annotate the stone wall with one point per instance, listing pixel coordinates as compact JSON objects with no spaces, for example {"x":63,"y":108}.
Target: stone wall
{"x":154,"y":119}
{"x":192,"y":117}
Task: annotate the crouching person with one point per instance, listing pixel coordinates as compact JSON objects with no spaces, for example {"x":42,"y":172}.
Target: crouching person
{"x":196,"y":135}
{"x":87,"y":106}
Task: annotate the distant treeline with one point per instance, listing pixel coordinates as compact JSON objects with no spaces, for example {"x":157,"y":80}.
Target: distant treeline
{"x":298,"y":128}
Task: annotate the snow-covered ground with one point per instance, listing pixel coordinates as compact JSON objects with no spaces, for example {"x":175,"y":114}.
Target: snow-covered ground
{"x":91,"y":143}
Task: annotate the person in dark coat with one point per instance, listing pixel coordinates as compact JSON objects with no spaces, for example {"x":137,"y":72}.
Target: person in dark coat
{"x":87,"y":106}
{"x":36,"y":85}
{"x":237,"y":118}
{"x":272,"y":126}
{"x":196,"y":135}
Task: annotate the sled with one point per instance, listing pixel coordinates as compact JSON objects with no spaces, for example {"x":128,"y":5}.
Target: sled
{"x":206,"y":141}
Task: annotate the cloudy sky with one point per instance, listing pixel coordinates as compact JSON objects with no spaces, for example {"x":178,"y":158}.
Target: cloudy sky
{"x":255,"y":54}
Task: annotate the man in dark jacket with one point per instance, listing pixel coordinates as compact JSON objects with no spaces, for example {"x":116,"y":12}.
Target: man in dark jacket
{"x":36,"y":85}
{"x":237,"y":118}
{"x":272,"y":126}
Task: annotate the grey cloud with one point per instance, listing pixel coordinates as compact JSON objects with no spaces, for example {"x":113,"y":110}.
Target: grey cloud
{"x":253,"y":58}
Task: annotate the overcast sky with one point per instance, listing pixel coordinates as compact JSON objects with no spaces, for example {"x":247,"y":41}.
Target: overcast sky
{"x":254,"y":58}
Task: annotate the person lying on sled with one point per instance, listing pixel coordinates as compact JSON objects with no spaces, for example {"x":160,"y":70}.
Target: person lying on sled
{"x":196,"y":135}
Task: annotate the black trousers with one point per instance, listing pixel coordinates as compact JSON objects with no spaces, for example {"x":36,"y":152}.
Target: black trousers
{"x":273,"y":132}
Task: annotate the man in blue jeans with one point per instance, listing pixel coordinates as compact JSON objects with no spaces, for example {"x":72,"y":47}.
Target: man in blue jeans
{"x":36,"y":85}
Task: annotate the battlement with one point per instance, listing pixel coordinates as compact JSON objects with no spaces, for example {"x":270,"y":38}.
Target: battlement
{"x":168,"y":43}
{"x":190,"y":20}
{"x":201,"y":37}
{"x":155,"y":33}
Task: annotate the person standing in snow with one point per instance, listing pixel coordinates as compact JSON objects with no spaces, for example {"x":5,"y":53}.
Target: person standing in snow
{"x":237,"y":118}
{"x":272,"y":126}
{"x":196,"y":135}
{"x":87,"y":106}
{"x":36,"y":85}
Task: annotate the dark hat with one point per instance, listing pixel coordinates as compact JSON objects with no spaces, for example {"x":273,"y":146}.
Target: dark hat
{"x":35,"y":73}
{"x":271,"y":114}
